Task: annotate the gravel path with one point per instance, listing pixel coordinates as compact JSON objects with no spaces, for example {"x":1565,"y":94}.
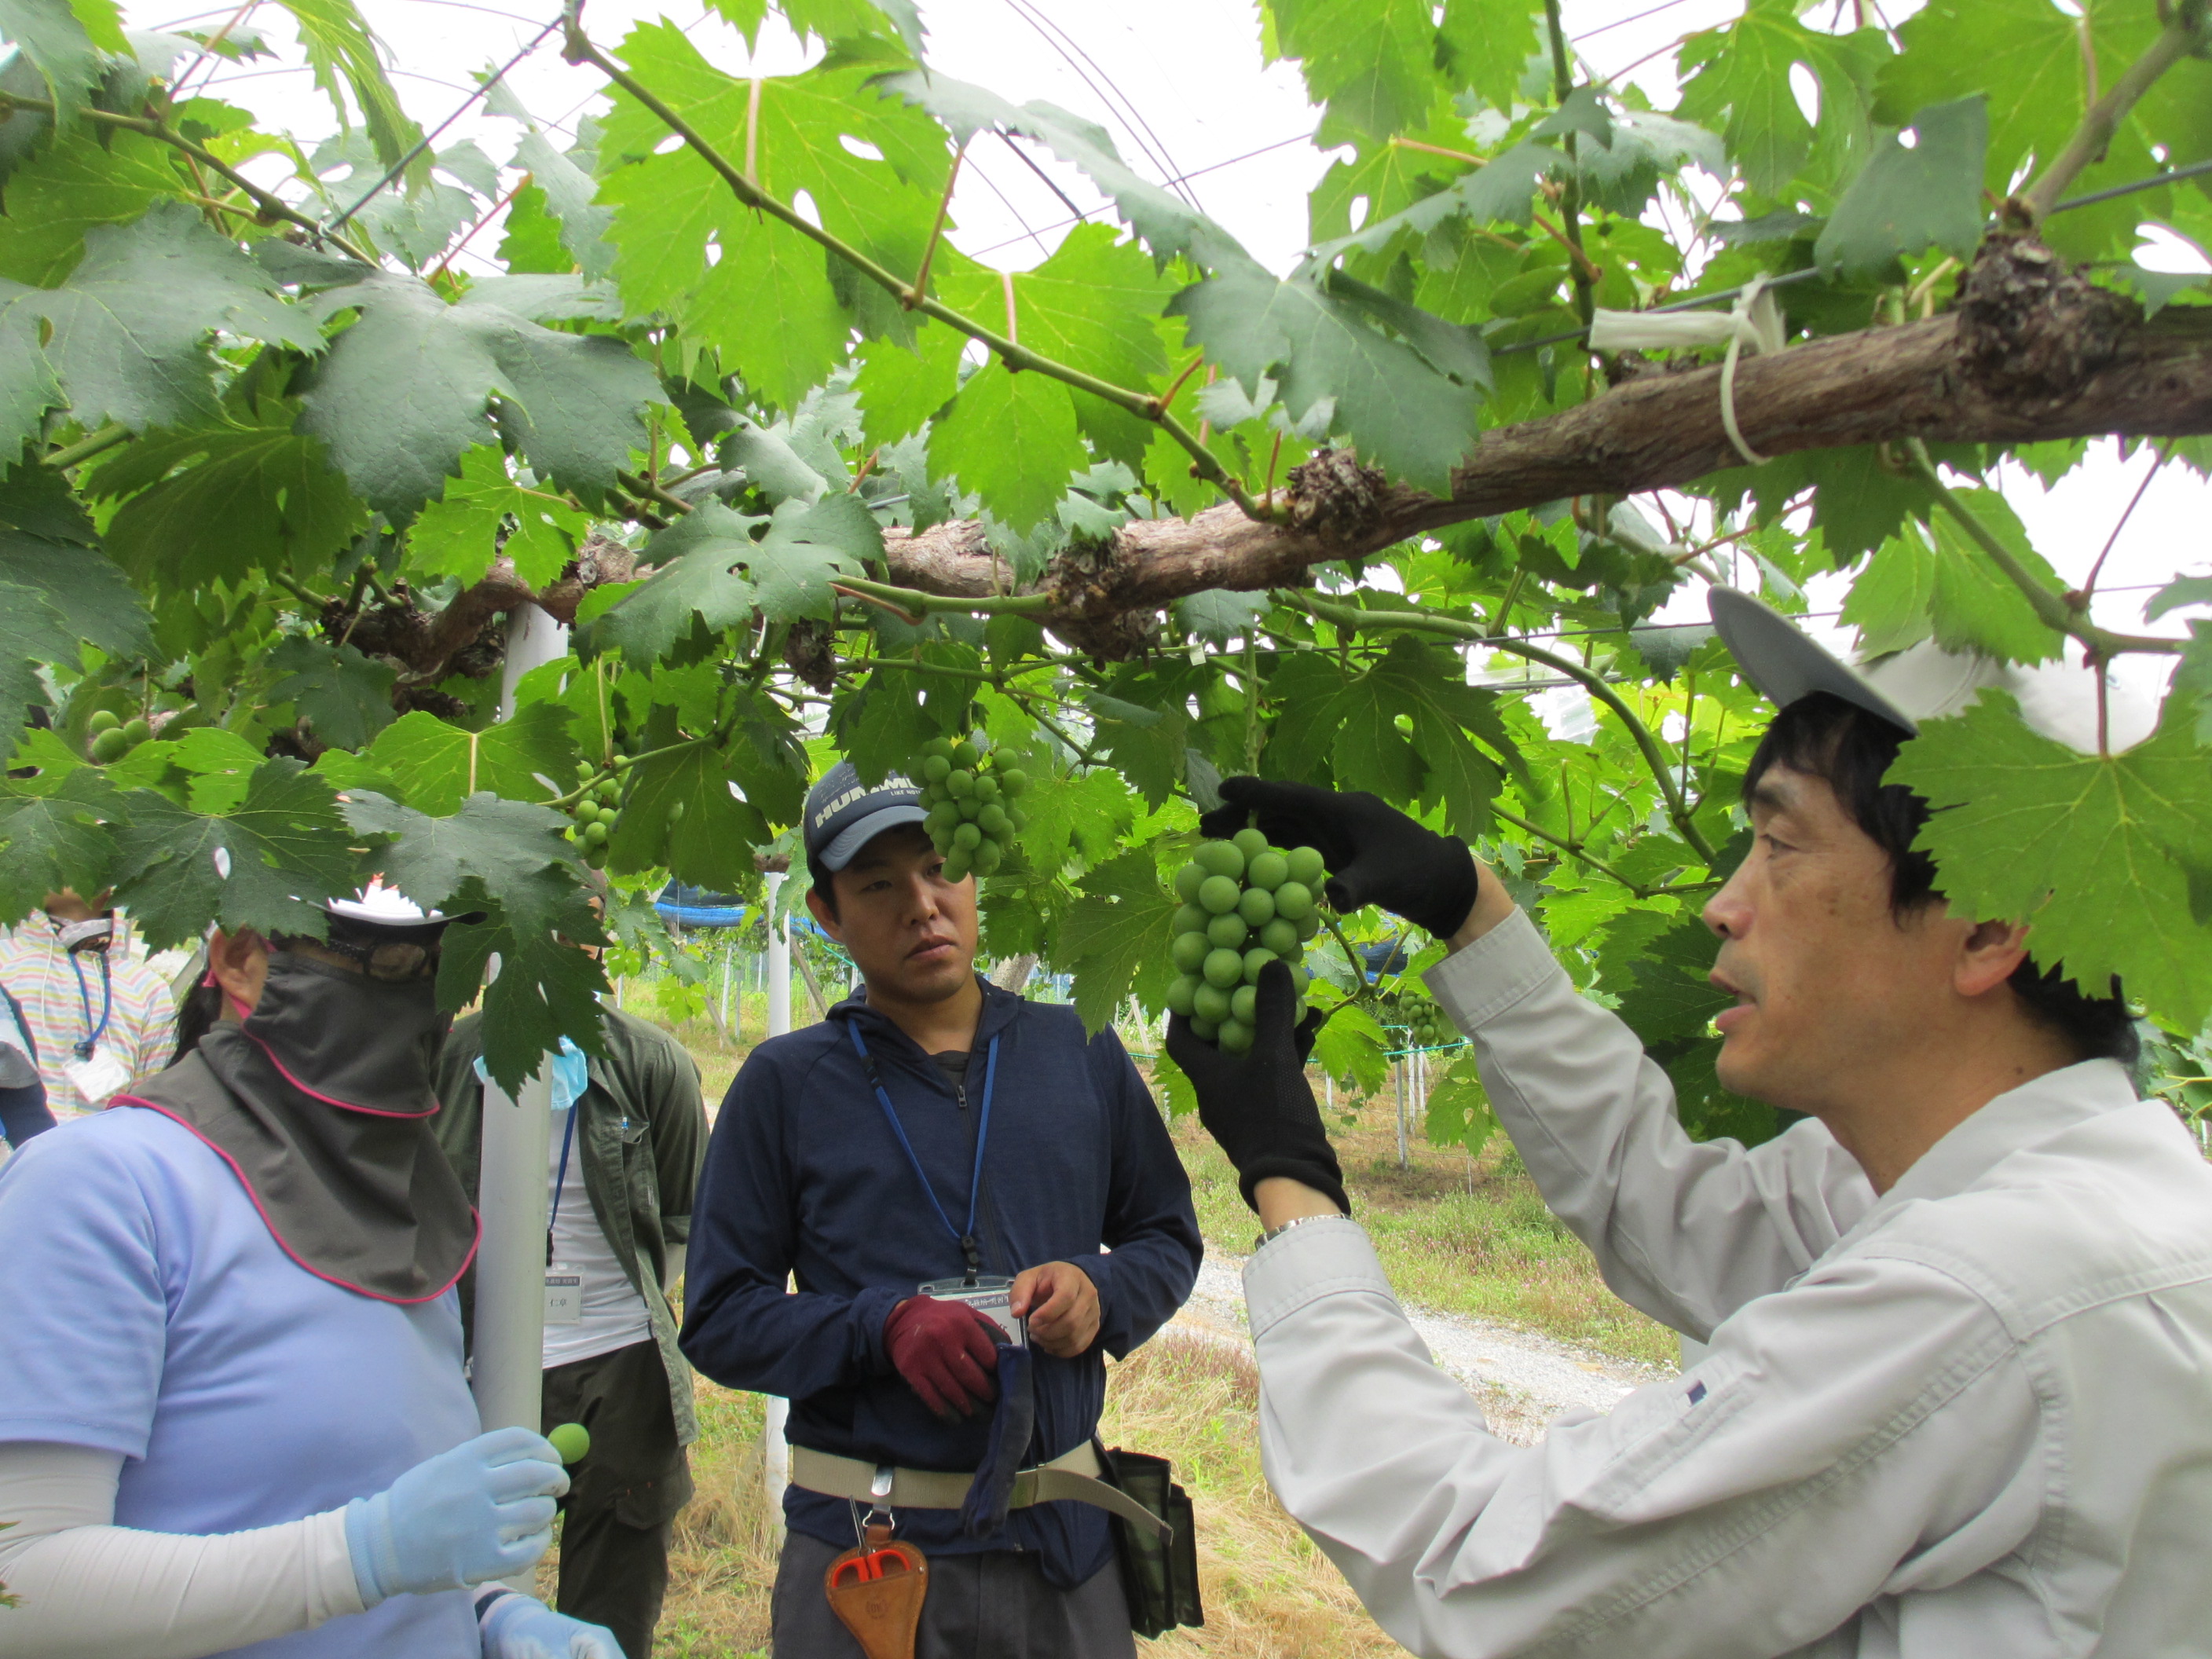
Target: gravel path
{"x":1521,"y":1380}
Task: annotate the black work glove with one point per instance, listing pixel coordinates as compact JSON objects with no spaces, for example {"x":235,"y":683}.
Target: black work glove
{"x":1375,"y":854}
{"x":1258,"y":1104}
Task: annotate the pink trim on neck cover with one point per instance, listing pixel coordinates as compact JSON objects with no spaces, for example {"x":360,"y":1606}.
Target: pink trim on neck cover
{"x":297,"y":1259}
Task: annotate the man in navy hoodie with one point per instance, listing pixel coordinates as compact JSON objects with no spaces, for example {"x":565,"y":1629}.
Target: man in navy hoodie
{"x":935,"y":1129}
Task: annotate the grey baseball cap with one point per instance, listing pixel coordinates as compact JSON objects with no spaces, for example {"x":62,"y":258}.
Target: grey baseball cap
{"x":1923,"y":682}
{"x":843,"y":815}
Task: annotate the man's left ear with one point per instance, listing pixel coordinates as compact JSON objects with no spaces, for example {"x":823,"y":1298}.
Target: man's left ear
{"x":1988,"y":955}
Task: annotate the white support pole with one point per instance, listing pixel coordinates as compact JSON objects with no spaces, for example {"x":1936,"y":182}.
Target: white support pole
{"x":775,"y":1454}
{"x":1398,"y":1081}
{"x":507,"y":1366}
{"x":779,"y":961}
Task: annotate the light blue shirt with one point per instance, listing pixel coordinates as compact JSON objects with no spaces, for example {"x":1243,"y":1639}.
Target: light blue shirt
{"x":150,"y":1312}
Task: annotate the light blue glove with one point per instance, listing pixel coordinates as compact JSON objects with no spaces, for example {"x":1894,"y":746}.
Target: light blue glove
{"x":522,"y":1627}
{"x":482,"y":1511}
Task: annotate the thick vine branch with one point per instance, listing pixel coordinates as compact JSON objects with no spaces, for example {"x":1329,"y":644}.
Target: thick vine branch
{"x":581,"y":50}
{"x":2016,"y":363}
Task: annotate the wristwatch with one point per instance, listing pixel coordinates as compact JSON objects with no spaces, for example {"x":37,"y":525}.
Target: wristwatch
{"x":1273,"y":1233}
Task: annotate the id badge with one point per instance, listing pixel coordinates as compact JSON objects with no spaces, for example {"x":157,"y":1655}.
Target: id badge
{"x":96,"y":1078}
{"x":988,"y":1294}
{"x":564,"y":1295}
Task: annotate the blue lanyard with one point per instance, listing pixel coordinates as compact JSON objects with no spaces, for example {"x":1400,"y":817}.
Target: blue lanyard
{"x":966,"y":1240}
{"x":561,"y":1179}
{"x":94,"y":1033}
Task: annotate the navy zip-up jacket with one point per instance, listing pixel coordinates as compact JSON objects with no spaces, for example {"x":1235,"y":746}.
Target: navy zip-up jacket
{"x":804,"y":1176}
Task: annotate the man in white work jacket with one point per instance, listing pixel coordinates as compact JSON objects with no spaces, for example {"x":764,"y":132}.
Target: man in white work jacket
{"x":1958,"y":1403}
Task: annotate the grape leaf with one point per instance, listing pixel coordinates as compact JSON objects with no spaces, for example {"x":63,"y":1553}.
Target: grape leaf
{"x":1738,"y":84}
{"x":210,"y":501}
{"x":266,"y":864}
{"x":459,"y":534}
{"x":1488,"y":43}
{"x":403,"y":392}
{"x":710,"y":843}
{"x":64,"y":42}
{"x":1402,"y":408}
{"x":48,"y":553}
{"x":1220,"y":614}
{"x":900,"y":388}
{"x":1945,"y":586}
{"x":880,"y":726}
{"x":567,"y":190}
{"x":1115,"y":938}
{"x":55,"y":841}
{"x":123,"y":338}
{"x":1906,"y":201}
{"x":344,"y":695}
{"x":78,"y":181}
{"x":1502,"y":192}
{"x":1011,"y":439}
{"x":2097,"y":853}
{"x":1371,"y":61}
{"x":1082,"y":813}
{"x":507,"y":859}
{"x":1459,"y":1110}
{"x":438,"y":766}
{"x":2180,"y":591}
{"x":32,"y":632}
{"x":2189,"y":698}
{"x":1145,"y":745}
{"x":344,"y":54}
{"x":1350,"y":1044}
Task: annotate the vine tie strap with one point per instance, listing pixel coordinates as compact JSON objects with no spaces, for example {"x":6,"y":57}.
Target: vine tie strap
{"x":1753,"y":322}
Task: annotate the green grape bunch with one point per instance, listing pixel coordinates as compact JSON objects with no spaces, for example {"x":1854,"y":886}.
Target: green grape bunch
{"x":594,"y":814}
{"x":970,"y":793}
{"x":1430,"y":1029}
{"x":112,"y":737}
{"x":1244,"y":905}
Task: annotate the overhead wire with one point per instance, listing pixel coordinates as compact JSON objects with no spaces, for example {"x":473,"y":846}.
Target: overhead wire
{"x":1134,"y":121}
{"x":1195,"y":172}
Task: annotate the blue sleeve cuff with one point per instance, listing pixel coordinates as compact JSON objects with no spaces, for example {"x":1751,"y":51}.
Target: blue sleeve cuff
{"x":870,"y":1308}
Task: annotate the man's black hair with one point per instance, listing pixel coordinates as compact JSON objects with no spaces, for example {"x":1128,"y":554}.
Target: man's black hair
{"x":1823,"y":736}
{"x":825,"y":884}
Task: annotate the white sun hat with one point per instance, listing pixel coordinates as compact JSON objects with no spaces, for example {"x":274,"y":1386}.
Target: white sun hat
{"x":1923,"y":682}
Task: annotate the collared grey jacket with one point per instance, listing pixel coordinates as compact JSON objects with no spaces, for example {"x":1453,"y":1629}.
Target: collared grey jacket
{"x":1971,"y":1419}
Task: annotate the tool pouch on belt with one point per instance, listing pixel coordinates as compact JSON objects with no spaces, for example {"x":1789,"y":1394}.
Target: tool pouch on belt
{"x":1159,"y":1576}
{"x":876,"y":1589}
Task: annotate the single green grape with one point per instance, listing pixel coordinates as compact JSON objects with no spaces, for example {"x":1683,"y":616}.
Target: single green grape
{"x":993,"y":821}
{"x":1301,"y":976}
{"x":943,"y":819}
{"x":1219,"y":858}
{"x":1308,"y":925}
{"x":110,"y":745}
{"x":965,"y":755}
{"x":1189,"y":952}
{"x":987,"y":786}
{"x":1244,"y":1004}
{"x":1253,"y":960}
{"x":936,"y":768}
{"x":961,"y":782}
{"x":1020,"y":819}
{"x":1191,"y":920}
{"x":1219,"y":894}
{"x":1250,"y":842}
{"x":967,"y":837}
{"x":1013,"y":781}
{"x":595,"y":834}
{"x":1281,"y":936}
{"x":1227,"y":931}
{"x":1182,"y":994}
{"x":988,"y":857}
{"x":940,"y":748}
{"x":1270,"y":869}
{"x":1235,"y":1038}
{"x":102,"y":719}
{"x":1187,"y":880}
{"x":1210,"y":1002}
{"x":573,"y":1441}
{"x":1222,"y":967}
{"x":1204,"y":1029}
{"x":969,"y":807}
{"x":1307,"y":866}
{"x":957,"y":866}
{"x":1257,"y":906}
{"x":1294,"y":899}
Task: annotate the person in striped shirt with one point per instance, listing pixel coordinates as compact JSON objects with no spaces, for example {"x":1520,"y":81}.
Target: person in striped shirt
{"x":100,"y":1019}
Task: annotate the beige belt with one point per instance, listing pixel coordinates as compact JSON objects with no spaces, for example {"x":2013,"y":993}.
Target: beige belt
{"x":1072,"y":1478}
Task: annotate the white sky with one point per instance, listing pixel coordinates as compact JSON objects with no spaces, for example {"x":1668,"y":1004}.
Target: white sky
{"x":1180,"y":86}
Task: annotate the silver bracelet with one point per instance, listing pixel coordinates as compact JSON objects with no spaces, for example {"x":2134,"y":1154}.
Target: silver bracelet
{"x":1273,"y":1233}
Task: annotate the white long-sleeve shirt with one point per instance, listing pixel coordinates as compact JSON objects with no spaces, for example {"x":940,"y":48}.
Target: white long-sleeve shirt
{"x":1971,"y":1419}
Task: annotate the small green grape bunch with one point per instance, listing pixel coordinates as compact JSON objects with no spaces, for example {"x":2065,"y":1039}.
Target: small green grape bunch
{"x":594,"y":814}
{"x":1244,"y":905}
{"x":1430,"y":1029}
{"x":113,"y":737}
{"x":970,"y":793}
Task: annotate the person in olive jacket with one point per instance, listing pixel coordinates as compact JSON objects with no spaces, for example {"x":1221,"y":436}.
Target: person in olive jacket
{"x":629,"y":1134}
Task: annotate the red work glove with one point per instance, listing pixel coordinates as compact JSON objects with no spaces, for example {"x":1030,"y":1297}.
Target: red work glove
{"x":945,"y":1351}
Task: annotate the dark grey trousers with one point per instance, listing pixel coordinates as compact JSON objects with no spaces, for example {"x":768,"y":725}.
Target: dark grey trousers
{"x":995,"y":1604}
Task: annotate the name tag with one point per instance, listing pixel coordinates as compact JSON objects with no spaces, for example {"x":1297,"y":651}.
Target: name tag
{"x":564,"y":1296}
{"x":97,"y":1078}
{"x":991,"y":1296}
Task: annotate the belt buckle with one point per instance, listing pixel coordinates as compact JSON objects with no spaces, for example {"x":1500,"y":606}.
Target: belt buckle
{"x":879,"y":1493}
